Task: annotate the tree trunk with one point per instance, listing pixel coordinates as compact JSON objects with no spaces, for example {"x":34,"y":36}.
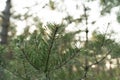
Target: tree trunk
{"x":4,"y":32}
{"x":5,"y":22}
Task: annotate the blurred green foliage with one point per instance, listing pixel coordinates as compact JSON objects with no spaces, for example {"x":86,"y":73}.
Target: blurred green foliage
{"x":25,"y":58}
{"x":51,"y":53}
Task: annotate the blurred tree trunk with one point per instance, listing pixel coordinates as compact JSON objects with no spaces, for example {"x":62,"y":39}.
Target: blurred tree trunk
{"x":5,"y":22}
{"x":4,"y":32}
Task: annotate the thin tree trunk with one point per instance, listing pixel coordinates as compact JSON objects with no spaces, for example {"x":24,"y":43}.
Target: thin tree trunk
{"x":4,"y":32}
{"x":5,"y":22}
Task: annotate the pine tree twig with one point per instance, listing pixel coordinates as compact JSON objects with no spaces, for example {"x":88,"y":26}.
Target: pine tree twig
{"x":26,"y":57}
{"x":97,"y":62}
{"x":25,"y":69}
{"x":66,"y":61}
{"x":49,"y":52}
{"x":103,"y":40}
{"x":89,"y":66}
{"x":105,"y":35}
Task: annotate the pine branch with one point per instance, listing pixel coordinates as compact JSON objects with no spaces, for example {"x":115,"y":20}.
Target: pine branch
{"x":66,"y":61}
{"x":26,"y":57}
{"x":103,"y":58}
{"x":49,"y":51}
{"x":25,"y":69}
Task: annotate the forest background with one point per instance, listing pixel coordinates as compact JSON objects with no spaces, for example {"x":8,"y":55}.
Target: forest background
{"x":60,"y":40}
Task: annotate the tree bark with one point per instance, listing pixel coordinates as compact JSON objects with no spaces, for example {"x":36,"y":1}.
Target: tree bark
{"x":5,"y":22}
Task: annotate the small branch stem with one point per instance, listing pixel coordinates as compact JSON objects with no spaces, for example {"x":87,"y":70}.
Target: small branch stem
{"x":49,"y":51}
